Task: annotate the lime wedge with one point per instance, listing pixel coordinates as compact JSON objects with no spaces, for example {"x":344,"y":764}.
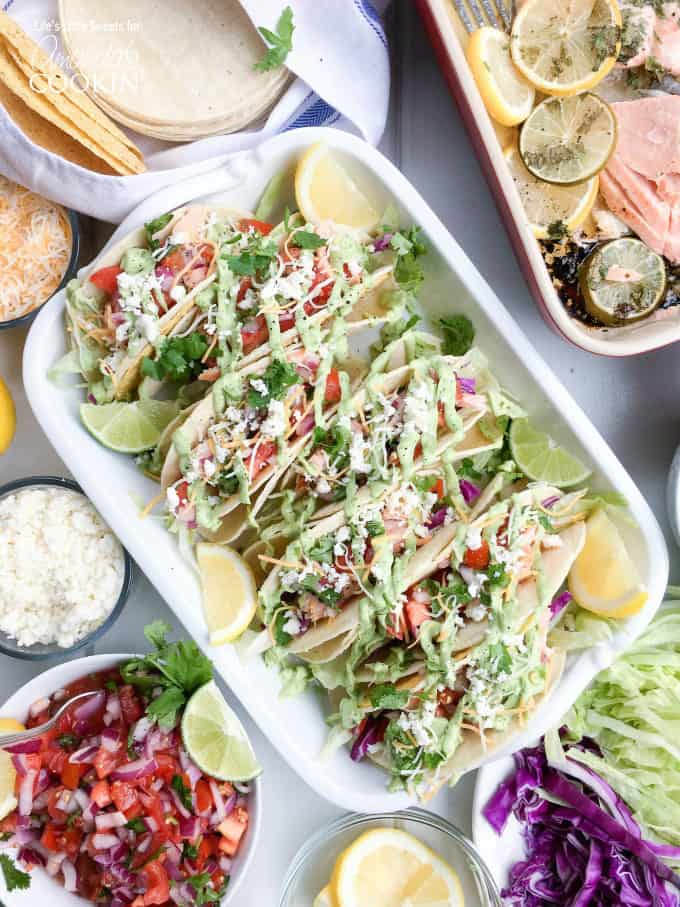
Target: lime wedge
{"x":568,"y":140}
{"x":622,"y":281}
{"x":541,"y":459}
{"x":128,"y":427}
{"x":215,"y":738}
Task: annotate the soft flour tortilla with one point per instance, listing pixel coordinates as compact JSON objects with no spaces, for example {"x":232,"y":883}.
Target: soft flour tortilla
{"x":177,"y":63}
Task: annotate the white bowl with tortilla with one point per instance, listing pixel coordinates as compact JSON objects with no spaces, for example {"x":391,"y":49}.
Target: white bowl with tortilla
{"x":295,"y":726}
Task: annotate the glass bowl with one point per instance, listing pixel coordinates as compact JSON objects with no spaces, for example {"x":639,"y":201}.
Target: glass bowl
{"x":39,"y":651}
{"x":69,"y":274}
{"x":313,"y":864}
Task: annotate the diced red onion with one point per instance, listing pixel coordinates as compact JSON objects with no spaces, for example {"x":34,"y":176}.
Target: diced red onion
{"x":20,"y":764}
{"x":110,"y":739}
{"x":54,"y":863}
{"x":89,"y":707}
{"x":119,"y":901}
{"x":38,"y":707}
{"x":113,"y":710}
{"x":469,"y":491}
{"x":218,"y":800}
{"x":105,"y":821}
{"x":30,"y":857}
{"x":225,"y":864}
{"x":210,"y":865}
{"x":25,"y":836}
{"x":67,"y":802}
{"x":151,"y":823}
{"x":133,"y":771}
{"x":122,"y":874}
{"x":190,"y":828}
{"x":104,"y":841}
{"x":81,"y":798}
{"x":181,"y":809}
{"x":26,"y":793}
{"x":157,"y":785}
{"x":174,"y":871}
{"x":84,"y":755}
{"x":191,"y":770}
{"x":43,"y":782}
{"x":91,"y":398}
{"x":242,"y":787}
{"x":143,"y":845}
{"x":70,"y":876}
{"x":142,"y":728}
{"x":305,"y":425}
{"x":25,"y":746}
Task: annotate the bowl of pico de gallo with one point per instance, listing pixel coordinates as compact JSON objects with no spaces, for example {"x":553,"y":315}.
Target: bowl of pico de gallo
{"x":144,"y":793}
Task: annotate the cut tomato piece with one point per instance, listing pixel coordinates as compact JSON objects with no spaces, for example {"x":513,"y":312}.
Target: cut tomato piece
{"x":101,"y":794}
{"x":105,"y":762}
{"x":243,"y":288}
{"x":130,"y":705}
{"x":417,"y":612}
{"x":254,"y":334}
{"x":263,"y":454}
{"x":204,"y":799}
{"x":71,"y":775}
{"x":477,"y":558}
{"x":124,"y":796}
{"x":106,"y":279}
{"x":167,"y":767}
{"x":232,"y":830}
{"x":158,"y":885}
{"x":260,"y":225}
{"x":287,"y":320}
{"x":333,"y":389}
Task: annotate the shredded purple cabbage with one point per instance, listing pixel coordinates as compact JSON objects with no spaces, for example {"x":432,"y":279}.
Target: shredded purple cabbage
{"x":469,"y":491}
{"x":373,"y":732}
{"x":467,"y":385}
{"x":587,"y":853}
{"x":382,"y":243}
{"x":548,"y":502}
{"x":560,"y":602}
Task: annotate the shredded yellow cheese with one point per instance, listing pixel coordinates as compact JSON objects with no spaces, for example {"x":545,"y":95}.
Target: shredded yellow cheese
{"x":35,"y":249}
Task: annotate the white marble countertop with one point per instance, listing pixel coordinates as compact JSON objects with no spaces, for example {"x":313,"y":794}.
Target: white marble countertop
{"x":633,"y":402}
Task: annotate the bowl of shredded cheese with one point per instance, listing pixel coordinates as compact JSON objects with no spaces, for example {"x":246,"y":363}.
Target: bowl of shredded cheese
{"x":64,"y":576}
{"x":38,"y":252}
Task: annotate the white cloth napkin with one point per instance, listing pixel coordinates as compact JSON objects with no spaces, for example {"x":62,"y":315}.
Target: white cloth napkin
{"x":341,"y":63}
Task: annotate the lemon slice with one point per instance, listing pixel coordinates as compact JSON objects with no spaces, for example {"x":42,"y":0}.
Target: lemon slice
{"x":8,"y":775}
{"x":389,"y":867}
{"x":623,"y":281}
{"x":563,"y":48}
{"x":568,"y":140}
{"x":604,"y":579}
{"x":128,"y":427}
{"x":325,"y":191}
{"x":8,"y":417}
{"x":541,"y":459}
{"x":546,"y":204}
{"x":507,"y":95}
{"x":229,"y":592}
{"x":324,"y":898}
{"x":215,"y":739}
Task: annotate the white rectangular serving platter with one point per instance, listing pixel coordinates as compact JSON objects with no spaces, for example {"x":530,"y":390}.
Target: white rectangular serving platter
{"x":295,"y":726}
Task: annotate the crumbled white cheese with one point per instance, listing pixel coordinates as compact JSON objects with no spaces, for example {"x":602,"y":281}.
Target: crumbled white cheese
{"x":259,"y":385}
{"x":274,"y":425}
{"x":473,"y":539}
{"x":552,"y":541}
{"x":172,"y":499}
{"x":147,"y":326}
{"x":178,"y":293}
{"x":61,"y":567}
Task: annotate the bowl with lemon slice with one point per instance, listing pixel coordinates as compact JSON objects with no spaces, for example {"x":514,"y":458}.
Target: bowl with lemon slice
{"x":389,"y":859}
{"x":165,"y":784}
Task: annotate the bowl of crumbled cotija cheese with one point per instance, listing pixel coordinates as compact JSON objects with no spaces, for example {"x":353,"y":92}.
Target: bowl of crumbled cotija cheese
{"x":64,"y":576}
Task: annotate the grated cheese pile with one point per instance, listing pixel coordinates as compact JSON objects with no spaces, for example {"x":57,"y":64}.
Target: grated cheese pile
{"x":35,"y":248}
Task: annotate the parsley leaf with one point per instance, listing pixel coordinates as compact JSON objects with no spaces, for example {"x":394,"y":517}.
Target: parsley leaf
{"x":497,"y":575}
{"x":278,"y":377}
{"x":408,"y":271}
{"x":306,"y":240}
{"x":137,"y":825}
{"x":459,"y":334}
{"x":14,"y":878}
{"x":155,"y":226}
{"x":183,"y":792}
{"x":179,"y":358}
{"x":280,"y":42}
{"x":178,"y":668}
{"x":387,"y":696}
{"x":247,"y":263}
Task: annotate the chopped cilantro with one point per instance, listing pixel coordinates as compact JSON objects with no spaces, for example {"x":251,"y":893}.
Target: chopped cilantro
{"x":111,"y":686}
{"x":178,"y":668}
{"x":72,"y":818}
{"x":179,"y":358}
{"x":467,"y":468}
{"x":375,"y":528}
{"x":15,"y":879}
{"x":278,"y":377}
{"x":280,"y":42}
{"x":182,"y":791}
{"x":189,"y":851}
{"x":204,"y":892}
{"x":132,"y":752}
{"x":408,"y":271}
{"x":155,"y":226}
{"x":248,"y":263}
{"x":387,"y":696}
{"x":306,"y":240}
{"x":497,"y":575}
{"x":281,"y":637}
{"x":329,"y":596}
{"x":68,"y":741}
{"x":322,"y":551}
{"x":137,"y":825}
{"x":545,"y":522}
{"x":459,"y":334}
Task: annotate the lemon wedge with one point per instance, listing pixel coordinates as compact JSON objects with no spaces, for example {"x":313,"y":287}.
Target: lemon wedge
{"x":229,"y":592}
{"x":8,"y":775}
{"x":564,"y":48}
{"x":604,"y":579}
{"x":324,"y":898}
{"x":325,"y":191}
{"x":389,"y":867}
{"x":507,"y":95}
{"x":8,"y":417}
{"x":546,"y":204}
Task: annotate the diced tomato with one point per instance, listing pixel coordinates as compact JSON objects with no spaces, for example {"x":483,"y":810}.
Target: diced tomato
{"x":182,"y":491}
{"x":263,"y":455}
{"x":101,"y":794}
{"x":89,"y":877}
{"x":204,"y":800}
{"x":254,"y":334}
{"x":477,"y":558}
{"x":57,"y":814}
{"x":243,"y":288}
{"x":130,"y":705}
{"x":232,"y":830}
{"x":206,"y":254}
{"x":62,"y":840}
{"x":174,"y":260}
{"x":343,"y":563}
{"x":124,"y":796}
{"x":106,"y":279}
{"x":397,"y":632}
{"x":333,"y":389}
{"x":50,"y":837}
{"x":157,"y":886}
{"x":218,"y":878}
{"x":287,"y":320}
{"x":71,"y":775}
{"x":105,"y":762}
{"x":417,"y":613}
{"x":321,"y":298}
{"x":438,"y":488}
{"x":9,"y":824}
{"x":260,"y":225}
{"x":167,"y":767}
{"x":54,"y":760}
{"x":154,"y":807}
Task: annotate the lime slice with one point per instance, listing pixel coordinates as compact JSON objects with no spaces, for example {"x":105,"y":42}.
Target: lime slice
{"x":541,"y":459}
{"x":547,"y":204}
{"x":215,"y":738}
{"x":128,"y":427}
{"x":568,"y":140}
{"x":622,"y":281}
{"x":563,"y":48}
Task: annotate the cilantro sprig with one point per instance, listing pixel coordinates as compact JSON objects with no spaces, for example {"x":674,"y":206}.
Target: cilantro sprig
{"x":183,"y":792}
{"x":179,"y":358}
{"x":305,"y":239}
{"x":178,"y":669}
{"x":204,"y":892}
{"x":278,"y":377}
{"x":15,"y":879}
{"x":280,"y":42}
{"x":408,"y":271}
{"x":459,"y":334}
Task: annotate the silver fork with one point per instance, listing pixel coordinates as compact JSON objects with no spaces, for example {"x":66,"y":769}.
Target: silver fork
{"x":22,"y":736}
{"x":476,"y":13}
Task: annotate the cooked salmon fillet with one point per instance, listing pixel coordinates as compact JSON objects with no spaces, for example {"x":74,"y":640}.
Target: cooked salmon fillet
{"x":641,"y":183}
{"x":658,"y":34}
